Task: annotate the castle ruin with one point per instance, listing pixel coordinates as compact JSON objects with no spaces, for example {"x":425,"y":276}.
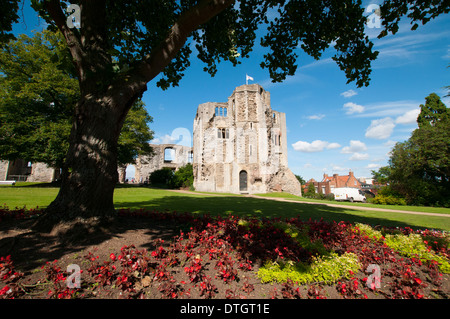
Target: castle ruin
{"x":240,"y":146}
{"x":172,"y":156}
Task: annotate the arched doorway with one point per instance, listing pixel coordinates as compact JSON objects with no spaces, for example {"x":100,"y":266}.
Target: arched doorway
{"x":243,"y":181}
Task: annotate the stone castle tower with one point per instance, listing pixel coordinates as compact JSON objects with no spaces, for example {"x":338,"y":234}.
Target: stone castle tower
{"x":240,"y":146}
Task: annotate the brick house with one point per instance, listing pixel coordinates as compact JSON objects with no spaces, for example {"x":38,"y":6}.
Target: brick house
{"x":329,"y":183}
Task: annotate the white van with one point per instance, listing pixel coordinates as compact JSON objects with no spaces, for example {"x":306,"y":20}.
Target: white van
{"x":350,"y":194}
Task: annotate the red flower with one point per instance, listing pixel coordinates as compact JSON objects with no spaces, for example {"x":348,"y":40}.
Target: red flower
{"x":112,"y":257}
{"x":4,"y":290}
{"x":418,"y":280}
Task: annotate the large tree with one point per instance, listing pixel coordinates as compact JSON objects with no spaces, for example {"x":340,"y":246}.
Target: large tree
{"x":122,"y":45}
{"x":419,"y":168}
{"x":38,"y":95}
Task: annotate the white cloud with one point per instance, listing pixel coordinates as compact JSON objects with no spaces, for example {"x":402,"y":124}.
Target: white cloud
{"x":373,"y":166}
{"x":179,"y":136}
{"x":337,"y":168}
{"x":315,"y":146}
{"x":355,"y":146}
{"x":316,"y":117}
{"x":390,"y":108}
{"x":353,"y":108}
{"x":165,"y":139}
{"x":409,"y":117}
{"x":359,"y":157}
{"x":411,"y":40}
{"x":401,"y":49}
{"x":332,"y":146}
{"x":380,"y":129}
{"x":348,"y":93}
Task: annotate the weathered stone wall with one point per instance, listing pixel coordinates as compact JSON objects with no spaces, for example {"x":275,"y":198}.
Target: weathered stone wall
{"x":40,"y":172}
{"x":20,"y":169}
{"x":4,"y":170}
{"x":145,"y":165}
{"x":253,"y":141}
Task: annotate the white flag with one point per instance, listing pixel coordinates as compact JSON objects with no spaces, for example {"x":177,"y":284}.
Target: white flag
{"x":248,"y":78}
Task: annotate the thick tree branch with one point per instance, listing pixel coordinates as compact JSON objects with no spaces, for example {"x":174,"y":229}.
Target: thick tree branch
{"x":53,"y":8}
{"x":94,"y":35}
{"x":188,"y":22}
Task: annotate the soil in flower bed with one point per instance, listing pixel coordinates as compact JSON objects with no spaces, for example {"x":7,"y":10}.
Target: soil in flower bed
{"x":169,"y":255}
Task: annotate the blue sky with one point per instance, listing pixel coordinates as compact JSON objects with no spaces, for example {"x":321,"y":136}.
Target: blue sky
{"x":332,"y":127}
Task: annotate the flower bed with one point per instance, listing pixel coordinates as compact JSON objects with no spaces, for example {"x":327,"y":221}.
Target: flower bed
{"x":232,"y":257}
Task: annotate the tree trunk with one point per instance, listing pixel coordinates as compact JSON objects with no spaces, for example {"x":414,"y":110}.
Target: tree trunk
{"x":90,"y":176}
{"x":87,"y":186}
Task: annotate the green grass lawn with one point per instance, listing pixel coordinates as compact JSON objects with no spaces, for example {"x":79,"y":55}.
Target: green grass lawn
{"x":29,"y":195}
{"x":223,"y":204}
{"x":438,"y":210}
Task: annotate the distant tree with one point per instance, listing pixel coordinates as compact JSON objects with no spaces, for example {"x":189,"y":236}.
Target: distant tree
{"x":433,"y":112}
{"x":419,"y":168}
{"x":135,"y":135}
{"x":183,"y":177}
{"x":300,"y":179}
{"x":310,"y":191}
{"x":162,"y":177}
{"x":39,"y":91}
{"x":382,"y":175}
{"x":168,"y":178}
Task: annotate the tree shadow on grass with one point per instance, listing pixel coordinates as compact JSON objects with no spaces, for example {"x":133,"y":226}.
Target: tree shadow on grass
{"x":31,"y":249}
{"x":246,"y":207}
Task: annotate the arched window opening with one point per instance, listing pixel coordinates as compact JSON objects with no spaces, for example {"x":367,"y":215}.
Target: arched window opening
{"x":223,"y":133}
{"x":169,"y":155}
{"x":221,"y":111}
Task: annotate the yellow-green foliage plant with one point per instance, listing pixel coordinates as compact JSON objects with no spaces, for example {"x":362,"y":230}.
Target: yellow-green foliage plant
{"x":411,"y":245}
{"x":324,"y":269}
